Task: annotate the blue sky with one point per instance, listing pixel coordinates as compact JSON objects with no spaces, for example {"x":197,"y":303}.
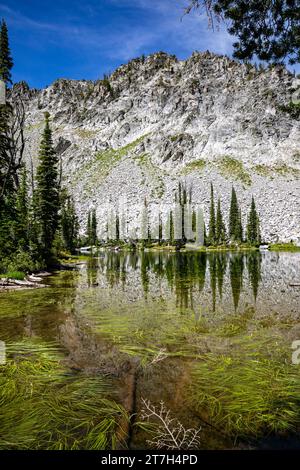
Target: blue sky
{"x":84,"y":39}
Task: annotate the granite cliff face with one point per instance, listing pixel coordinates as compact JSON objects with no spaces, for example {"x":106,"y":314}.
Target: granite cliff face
{"x":158,"y":120}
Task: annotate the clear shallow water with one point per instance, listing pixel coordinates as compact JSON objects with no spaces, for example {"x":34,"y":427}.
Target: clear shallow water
{"x":155,"y":323}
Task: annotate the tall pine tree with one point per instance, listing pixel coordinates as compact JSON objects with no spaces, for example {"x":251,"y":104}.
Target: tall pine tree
{"x":6,"y":61}
{"x":46,"y":197}
{"x":22,"y":212}
{"x":235,"y":227}
{"x":212,"y":218}
{"x":8,"y":240}
{"x":93,"y":228}
{"x":220,"y":226}
{"x":253,"y":230}
{"x":239,"y":228}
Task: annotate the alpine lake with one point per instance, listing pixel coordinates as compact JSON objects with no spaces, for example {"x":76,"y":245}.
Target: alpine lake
{"x":121,"y":343}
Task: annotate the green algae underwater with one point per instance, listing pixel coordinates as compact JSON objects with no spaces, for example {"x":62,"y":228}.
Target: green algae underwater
{"x":203,"y":337}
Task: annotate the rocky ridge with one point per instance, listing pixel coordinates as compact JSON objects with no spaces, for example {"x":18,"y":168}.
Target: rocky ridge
{"x":158,"y":120}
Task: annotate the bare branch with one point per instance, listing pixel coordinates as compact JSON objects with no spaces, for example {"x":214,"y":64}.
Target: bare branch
{"x":170,"y":433}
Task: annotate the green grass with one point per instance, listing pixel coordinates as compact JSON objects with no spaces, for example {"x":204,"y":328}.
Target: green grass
{"x":281,"y":169}
{"x":102,"y":164}
{"x":44,"y":406}
{"x":284,"y":247}
{"x":247,"y":394}
{"x":233,"y":168}
{"x":138,"y":329}
{"x":197,"y":165}
{"x":18,"y":275}
{"x":263,"y":170}
{"x":284,"y":170}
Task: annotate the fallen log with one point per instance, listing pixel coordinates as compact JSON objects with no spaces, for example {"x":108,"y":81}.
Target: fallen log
{"x":16,"y":283}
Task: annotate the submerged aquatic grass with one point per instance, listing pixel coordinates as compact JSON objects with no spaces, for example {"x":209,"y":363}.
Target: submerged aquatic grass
{"x":248,"y":392}
{"x":142,"y":330}
{"x":43,"y":405}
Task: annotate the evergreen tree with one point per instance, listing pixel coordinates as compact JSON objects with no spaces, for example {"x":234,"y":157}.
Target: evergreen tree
{"x":268,"y":30}
{"x":7,"y":188}
{"x":6,"y":62}
{"x":69,"y":222}
{"x":212,"y":218}
{"x":6,"y":177}
{"x":117,"y":227}
{"x":239,"y":228}
{"x":160,"y":229}
{"x":46,"y":197}
{"x":88,"y":229}
{"x":253,"y":231}
{"x":234,"y":218}
{"x":220,"y":226}
{"x":93,"y":228}
{"x":171,"y":227}
{"x":184,"y":205}
{"x":22,"y":212}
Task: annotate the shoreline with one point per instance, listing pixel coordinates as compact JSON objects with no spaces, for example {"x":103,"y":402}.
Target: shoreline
{"x":31,"y":281}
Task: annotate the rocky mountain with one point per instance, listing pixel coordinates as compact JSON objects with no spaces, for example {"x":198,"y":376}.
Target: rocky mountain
{"x":157,"y":120}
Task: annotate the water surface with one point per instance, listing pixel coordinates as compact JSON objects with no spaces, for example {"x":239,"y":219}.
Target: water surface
{"x":154,"y":325}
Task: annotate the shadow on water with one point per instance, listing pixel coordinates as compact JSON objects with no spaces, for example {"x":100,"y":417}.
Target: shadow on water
{"x":186,"y":274}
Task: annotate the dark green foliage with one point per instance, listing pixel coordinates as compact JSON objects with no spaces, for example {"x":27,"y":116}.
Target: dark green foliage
{"x":107,"y":85}
{"x":220,"y":226}
{"x":46,"y":196}
{"x":6,"y":62}
{"x":22,"y":213}
{"x":235,"y":219}
{"x":254,"y":270}
{"x":171,"y":227}
{"x":6,"y":176}
{"x":213,"y":278}
{"x":28,"y":228}
{"x":293,"y":109}
{"x":206,"y":242}
{"x":181,"y":197}
{"x":268,"y":30}
{"x":7,"y":187}
{"x":253,"y":230}
{"x":88,"y":228}
{"x":240,"y":233}
{"x":194,"y":221}
{"x":92,"y":228}
{"x":221,"y":270}
{"x":212,"y":218}
{"x":69,"y":222}
{"x":160,"y":230}
{"x":117,"y":227}
{"x":236,"y":268}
